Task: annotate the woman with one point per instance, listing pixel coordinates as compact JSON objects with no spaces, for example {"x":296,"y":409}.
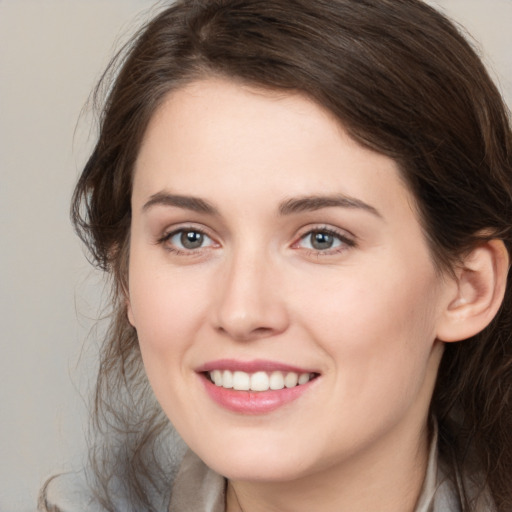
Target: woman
{"x":305,"y":208}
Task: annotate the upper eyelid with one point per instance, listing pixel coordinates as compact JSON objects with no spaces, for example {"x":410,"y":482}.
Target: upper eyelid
{"x":342,"y":233}
{"x":347,"y":239}
{"x":174,"y":232}
{"x":167,"y":232}
{"x":165,"y":241}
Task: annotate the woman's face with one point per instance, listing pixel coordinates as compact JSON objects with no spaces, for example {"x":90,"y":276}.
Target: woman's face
{"x":267,"y":247}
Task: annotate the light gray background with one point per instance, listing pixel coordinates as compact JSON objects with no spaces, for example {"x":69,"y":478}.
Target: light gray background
{"x":51,"y":54}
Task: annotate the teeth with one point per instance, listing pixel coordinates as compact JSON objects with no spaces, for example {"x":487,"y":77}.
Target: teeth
{"x":276,"y":380}
{"x":241,"y":381}
{"x":291,"y":380}
{"x":216,"y":376}
{"x":227,"y":379}
{"x":303,"y":378}
{"x":258,"y":381}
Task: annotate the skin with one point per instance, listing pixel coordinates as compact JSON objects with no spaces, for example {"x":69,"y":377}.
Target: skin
{"x":364,"y":314}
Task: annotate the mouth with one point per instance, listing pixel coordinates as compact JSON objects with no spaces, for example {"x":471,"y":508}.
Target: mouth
{"x":260,"y":380}
{"x":256,"y":387}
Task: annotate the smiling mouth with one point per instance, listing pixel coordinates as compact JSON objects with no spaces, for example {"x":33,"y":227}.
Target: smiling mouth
{"x":258,"y":381}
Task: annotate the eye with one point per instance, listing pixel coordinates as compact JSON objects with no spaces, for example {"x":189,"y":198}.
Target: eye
{"x":188,"y":240}
{"x":324,"y":240}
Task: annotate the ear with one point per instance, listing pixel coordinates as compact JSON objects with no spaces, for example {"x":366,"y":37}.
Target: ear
{"x":480,"y":285}
{"x":129,"y":312}
{"x":126,"y":295}
{"x":129,"y":309}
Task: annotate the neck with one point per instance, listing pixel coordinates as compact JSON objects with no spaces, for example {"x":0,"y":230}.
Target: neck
{"x":388,"y":477}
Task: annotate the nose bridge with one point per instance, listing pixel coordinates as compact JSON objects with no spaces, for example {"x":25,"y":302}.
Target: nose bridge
{"x":249,"y":303}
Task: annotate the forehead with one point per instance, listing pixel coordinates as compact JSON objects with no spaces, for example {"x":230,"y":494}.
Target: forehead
{"x":223,"y":113}
{"x":260,"y":141}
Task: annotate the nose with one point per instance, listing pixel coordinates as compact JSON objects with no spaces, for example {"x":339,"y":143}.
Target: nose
{"x":250,"y":302}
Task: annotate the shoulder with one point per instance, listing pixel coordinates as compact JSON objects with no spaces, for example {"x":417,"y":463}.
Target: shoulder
{"x":72,"y":492}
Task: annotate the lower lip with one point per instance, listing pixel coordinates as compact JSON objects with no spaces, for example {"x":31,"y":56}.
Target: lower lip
{"x":253,"y":402}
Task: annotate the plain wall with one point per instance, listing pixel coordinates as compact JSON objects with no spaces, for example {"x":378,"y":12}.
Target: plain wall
{"x":51,"y":54}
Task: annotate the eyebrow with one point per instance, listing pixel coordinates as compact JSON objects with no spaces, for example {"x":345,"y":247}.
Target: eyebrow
{"x":312,"y":203}
{"x":288,"y":207}
{"x":194,"y":204}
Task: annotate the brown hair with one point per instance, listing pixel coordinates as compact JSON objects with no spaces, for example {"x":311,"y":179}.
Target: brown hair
{"x":402,"y":80}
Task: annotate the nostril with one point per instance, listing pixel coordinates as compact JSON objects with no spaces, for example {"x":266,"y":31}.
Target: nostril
{"x":246,"y":334}
{"x":263,"y":330}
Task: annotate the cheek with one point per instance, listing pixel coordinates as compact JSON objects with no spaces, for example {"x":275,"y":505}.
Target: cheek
{"x":377,"y":327}
{"x":167,"y":313}
{"x":164,"y":304}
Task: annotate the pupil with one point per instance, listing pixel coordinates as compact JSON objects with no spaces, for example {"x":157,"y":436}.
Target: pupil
{"x":321,"y":240}
{"x":192,"y":239}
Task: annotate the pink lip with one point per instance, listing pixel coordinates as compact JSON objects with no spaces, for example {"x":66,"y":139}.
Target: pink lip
{"x":257,"y":365}
{"x":251,"y":402}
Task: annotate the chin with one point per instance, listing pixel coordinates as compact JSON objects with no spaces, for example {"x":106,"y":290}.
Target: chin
{"x":256,"y":457}
{"x":273,"y":469}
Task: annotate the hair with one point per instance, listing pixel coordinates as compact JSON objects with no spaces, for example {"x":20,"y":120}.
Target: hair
{"x":403,"y":81}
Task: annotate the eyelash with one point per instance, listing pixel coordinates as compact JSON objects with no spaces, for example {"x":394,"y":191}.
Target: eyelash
{"x":164,"y":240}
{"x":346,"y":242}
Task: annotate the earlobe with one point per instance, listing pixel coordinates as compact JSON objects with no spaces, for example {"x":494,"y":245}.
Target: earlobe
{"x":129,"y":313}
{"x":479,"y":289}
{"x":129,"y":310}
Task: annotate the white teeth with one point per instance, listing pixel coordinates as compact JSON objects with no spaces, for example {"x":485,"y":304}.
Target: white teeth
{"x":258,"y":381}
{"x":217,"y":377}
{"x":291,"y":380}
{"x":276,"y":380}
{"x":241,"y":381}
{"x":303,"y":378}
{"x":227,"y":379}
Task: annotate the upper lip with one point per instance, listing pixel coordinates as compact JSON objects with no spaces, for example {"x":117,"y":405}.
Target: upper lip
{"x":256,"y":365}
